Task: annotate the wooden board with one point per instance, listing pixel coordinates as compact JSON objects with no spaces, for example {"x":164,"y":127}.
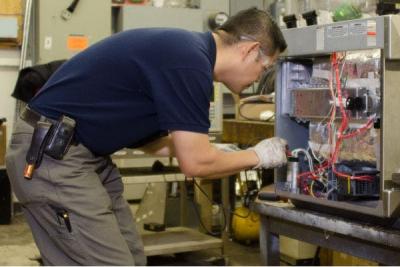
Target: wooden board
{"x":177,"y":240}
{"x":10,"y":7}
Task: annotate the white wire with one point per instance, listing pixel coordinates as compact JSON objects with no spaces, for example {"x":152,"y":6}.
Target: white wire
{"x":313,"y":154}
{"x":295,"y":153}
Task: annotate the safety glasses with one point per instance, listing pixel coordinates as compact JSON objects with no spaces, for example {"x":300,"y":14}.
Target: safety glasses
{"x":266,"y":61}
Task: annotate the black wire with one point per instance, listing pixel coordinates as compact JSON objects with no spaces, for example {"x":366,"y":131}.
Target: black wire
{"x":196,"y":211}
{"x":315,"y":260}
{"x":212,"y":202}
{"x":247,"y":181}
{"x":72,"y":6}
{"x":249,"y":213}
{"x":241,"y":216}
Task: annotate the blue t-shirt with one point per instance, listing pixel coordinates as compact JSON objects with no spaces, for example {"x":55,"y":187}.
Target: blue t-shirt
{"x":133,"y":87}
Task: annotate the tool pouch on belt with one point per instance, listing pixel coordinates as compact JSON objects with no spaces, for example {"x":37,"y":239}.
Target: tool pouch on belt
{"x":53,"y":139}
{"x":35,"y":152}
{"x":60,"y":138}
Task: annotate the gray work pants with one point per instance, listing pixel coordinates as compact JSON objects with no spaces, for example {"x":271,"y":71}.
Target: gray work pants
{"x":100,"y":229}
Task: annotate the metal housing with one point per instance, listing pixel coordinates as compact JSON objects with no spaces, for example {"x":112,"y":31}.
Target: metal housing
{"x":311,"y":42}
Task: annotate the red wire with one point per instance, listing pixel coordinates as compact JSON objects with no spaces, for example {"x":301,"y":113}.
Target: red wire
{"x":361,"y":130}
{"x":314,"y":176}
{"x":341,"y":136}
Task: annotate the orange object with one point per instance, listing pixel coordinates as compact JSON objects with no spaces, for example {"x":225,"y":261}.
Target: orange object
{"x":28,"y":172}
{"x":77,"y":42}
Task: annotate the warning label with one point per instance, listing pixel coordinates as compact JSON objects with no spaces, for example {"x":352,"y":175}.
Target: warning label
{"x":77,"y":42}
{"x":337,"y":31}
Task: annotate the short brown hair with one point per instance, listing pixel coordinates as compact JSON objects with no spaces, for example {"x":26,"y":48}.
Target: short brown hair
{"x":256,"y":25}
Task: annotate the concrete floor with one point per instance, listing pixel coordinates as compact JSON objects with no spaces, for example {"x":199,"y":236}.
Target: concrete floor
{"x":17,"y":248}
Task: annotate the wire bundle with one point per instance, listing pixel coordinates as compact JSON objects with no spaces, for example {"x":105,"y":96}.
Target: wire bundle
{"x":335,"y":138}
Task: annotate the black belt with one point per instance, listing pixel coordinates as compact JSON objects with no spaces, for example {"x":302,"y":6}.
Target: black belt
{"x":32,"y":117}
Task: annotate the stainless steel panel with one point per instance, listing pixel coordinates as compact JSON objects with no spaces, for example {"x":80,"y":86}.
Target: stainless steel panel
{"x":390,"y":133}
{"x":341,"y":36}
{"x":392,"y":39}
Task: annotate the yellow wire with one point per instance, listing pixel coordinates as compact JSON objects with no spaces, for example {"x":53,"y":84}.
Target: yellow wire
{"x":311,"y":189}
{"x":348,"y":185}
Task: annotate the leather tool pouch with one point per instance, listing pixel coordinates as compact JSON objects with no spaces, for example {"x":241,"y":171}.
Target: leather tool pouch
{"x":60,"y":138}
{"x":39,"y":138}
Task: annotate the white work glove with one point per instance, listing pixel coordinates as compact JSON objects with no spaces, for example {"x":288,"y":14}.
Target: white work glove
{"x":271,"y":153}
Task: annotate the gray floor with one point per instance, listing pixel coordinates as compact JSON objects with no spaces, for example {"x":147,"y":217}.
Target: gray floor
{"x":17,"y":248}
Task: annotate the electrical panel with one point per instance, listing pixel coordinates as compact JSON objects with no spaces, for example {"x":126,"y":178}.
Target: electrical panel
{"x":63,"y":28}
{"x":337,"y":95}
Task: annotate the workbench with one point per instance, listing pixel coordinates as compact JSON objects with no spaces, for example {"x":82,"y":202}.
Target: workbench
{"x":372,"y":242}
{"x":152,"y":209}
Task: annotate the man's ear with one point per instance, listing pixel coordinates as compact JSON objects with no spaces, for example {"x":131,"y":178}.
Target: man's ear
{"x":248,"y":47}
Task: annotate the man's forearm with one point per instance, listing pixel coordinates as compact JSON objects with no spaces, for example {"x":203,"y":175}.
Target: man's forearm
{"x":217,"y":164}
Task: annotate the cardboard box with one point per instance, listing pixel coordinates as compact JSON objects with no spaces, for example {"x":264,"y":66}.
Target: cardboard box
{"x":342,"y":259}
{"x":252,"y":111}
{"x":296,"y":249}
{"x":3,"y":143}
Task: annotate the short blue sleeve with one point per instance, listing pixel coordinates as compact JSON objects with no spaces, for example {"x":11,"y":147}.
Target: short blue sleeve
{"x":183,"y":100}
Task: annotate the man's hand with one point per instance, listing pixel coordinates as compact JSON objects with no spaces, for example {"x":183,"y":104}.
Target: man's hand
{"x":271,"y":153}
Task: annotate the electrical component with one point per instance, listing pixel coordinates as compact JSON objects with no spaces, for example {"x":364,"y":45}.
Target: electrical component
{"x":292,"y":172}
{"x":316,"y":103}
{"x":290,"y":21}
{"x":385,"y":7}
{"x":337,"y":100}
{"x":340,"y":129}
{"x":66,"y":14}
{"x":310,"y":17}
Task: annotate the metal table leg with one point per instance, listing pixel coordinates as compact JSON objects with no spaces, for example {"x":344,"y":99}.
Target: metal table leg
{"x":269,"y":244}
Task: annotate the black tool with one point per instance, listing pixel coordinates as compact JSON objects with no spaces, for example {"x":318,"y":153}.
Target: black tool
{"x":60,"y":138}
{"x":154,"y":227}
{"x":63,"y":214}
{"x":35,"y":152}
{"x":268,"y":196}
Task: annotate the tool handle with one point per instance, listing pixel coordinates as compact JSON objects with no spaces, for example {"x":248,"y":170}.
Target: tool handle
{"x":268,"y":196}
